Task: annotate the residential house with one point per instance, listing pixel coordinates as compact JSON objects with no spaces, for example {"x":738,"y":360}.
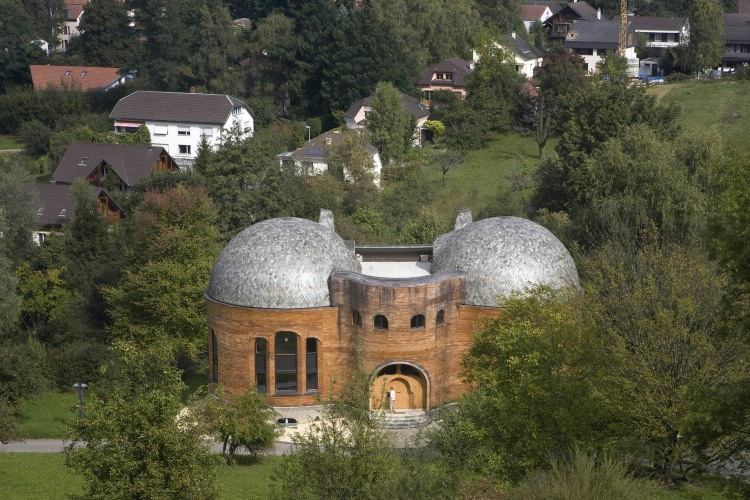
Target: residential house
{"x":526,"y":57}
{"x":54,"y":208}
{"x":737,"y":38}
{"x":659,"y":32}
{"x":72,"y":11}
{"x":531,"y":13}
{"x":177,"y":121}
{"x":87,"y":78}
{"x":559,"y":23}
{"x":446,"y":75}
{"x":356,"y":115}
{"x":113,"y":166}
{"x":592,"y":41}
{"x":312,"y":158}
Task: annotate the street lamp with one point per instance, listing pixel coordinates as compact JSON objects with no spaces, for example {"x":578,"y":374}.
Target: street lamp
{"x":80,"y":388}
{"x":308,"y":132}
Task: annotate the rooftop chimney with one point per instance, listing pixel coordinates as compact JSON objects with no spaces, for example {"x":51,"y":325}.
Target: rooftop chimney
{"x":326,"y":219}
{"x":463,"y":218}
{"x":599,"y":13}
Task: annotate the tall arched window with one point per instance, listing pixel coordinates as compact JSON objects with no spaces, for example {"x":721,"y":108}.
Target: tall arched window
{"x":261,"y":370}
{"x":380,"y":322}
{"x":286,"y":361}
{"x":311,"y":365}
{"x":440,"y":318}
{"x":417,"y":321}
{"x":214,"y":358}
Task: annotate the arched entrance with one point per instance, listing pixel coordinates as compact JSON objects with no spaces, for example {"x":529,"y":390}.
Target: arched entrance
{"x":408,"y":381}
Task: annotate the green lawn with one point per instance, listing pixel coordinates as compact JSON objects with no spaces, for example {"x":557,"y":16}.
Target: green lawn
{"x":41,"y":476}
{"x":10,"y":142}
{"x":476,"y":183}
{"x":46,"y":416}
{"x":706,"y":103}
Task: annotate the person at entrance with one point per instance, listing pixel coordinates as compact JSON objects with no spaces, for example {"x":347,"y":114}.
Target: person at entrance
{"x":392,"y":400}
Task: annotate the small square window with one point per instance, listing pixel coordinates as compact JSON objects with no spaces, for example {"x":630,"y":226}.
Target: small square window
{"x":183,"y":130}
{"x":184,"y":149}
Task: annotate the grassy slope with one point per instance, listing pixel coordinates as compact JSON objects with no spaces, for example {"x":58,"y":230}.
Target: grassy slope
{"x":46,"y":416}
{"x":704,"y":104}
{"x":10,"y":142}
{"x":42,"y":476}
{"x":476,"y":182}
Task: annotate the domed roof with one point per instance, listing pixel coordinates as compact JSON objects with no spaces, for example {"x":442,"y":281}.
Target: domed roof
{"x":280,"y":263}
{"x":503,"y":255}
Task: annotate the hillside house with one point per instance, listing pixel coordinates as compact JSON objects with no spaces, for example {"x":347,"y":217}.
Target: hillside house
{"x":531,"y":13}
{"x":177,"y":121}
{"x":114,"y":166}
{"x":659,"y":32}
{"x":446,"y":75}
{"x":356,"y":115}
{"x":86,"y":78}
{"x":736,"y":38}
{"x":312,"y":158}
{"x":72,"y":12}
{"x":592,"y":41}
{"x":559,"y":24}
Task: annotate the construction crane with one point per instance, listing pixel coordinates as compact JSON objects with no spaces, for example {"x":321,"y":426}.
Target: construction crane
{"x":622,"y":43}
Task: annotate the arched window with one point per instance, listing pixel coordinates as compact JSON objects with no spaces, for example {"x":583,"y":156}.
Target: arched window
{"x":417,"y":321}
{"x":356,"y":318}
{"x":311,"y":365}
{"x":214,"y":358}
{"x":440,"y":318}
{"x":261,"y":375}
{"x":285,"y":353}
{"x":380,"y":322}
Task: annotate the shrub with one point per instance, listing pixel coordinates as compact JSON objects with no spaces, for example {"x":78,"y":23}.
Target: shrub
{"x":36,"y":136}
{"x":743,"y":73}
{"x":580,"y":478}
{"x":76,"y":362}
{"x":676,"y":77}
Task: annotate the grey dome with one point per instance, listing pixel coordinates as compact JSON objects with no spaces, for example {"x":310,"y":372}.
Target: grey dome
{"x":280,"y":263}
{"x":503,"y":255}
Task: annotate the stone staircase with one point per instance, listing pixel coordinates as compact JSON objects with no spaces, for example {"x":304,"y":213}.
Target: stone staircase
{"x":406,"y":419}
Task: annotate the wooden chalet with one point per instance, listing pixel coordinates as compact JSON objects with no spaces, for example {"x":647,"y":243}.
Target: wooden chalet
{"x":114,"y":166}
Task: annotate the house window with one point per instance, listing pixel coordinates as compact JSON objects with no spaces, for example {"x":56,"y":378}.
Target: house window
{"x":440,"y":318}
{"x":207,"y":131}
{"x":356,"y":318}
{"x":261,"y":370}
{"x":664,"y":37}
{"x":417,"y":322}
{"x":83,"y":73}
{"x":311,"y":365}
{"x":380,"y":322}
{"x":652,"y":37}
{"x":161,"y":130}
{"x":214,"y":358}
{"x":676,"y":38}
{"x":183,"y":130}
{"x":286,"y":361}
{"x":67,"y":73}
{"x":184,"y":149}
{"x":428,"y":94}
{"x":236,"y":110}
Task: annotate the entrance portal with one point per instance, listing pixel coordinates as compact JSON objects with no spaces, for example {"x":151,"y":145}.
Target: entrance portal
{"x":407,"y":381}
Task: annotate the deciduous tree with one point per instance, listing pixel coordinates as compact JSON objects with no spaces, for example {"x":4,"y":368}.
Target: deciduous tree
{"x":705,"y":46}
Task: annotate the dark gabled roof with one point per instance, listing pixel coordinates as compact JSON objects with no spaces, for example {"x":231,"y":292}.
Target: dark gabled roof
{"x":521,"y":47}
{"x":459,"y":67}
{"x":316,"y":148}
{"x":176,"y":107}
{"x":736,"y":28}
{"x":413,"y":107}
{"x":657,"y":24}
{"x":600,"y":35}
{"x":54,"y":203}
{"x":586,"y":11}
{"x":130,"y":162}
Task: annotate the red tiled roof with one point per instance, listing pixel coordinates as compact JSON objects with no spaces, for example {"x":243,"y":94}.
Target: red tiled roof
{"x":532,"y":12}
{"x":74,"y":9}
{"x":88,"y":78}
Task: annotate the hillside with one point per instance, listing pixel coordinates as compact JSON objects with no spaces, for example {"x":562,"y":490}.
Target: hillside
{"x":706,"y":103}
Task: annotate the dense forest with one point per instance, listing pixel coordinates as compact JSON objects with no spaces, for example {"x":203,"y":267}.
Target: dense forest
{"x":648,"y":363}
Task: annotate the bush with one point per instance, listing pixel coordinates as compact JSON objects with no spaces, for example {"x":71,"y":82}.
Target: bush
{"x":742,"y":73}
{"x":76,"y":362}
{"x":23,"y":370}
{"x":580,"y":478}
{"x":676,"y":77}
{"x":36,"y":136}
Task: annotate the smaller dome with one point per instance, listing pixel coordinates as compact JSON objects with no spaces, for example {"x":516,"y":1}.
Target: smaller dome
{"x":280,"y":264}
{"x":504,"y":255}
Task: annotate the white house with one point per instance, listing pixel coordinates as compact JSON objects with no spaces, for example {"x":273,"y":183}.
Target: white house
{"x":73,"y":11}
{"x":356,"y":115}
{"x":177,"y":121}
{"x":525,"y":56}
{"x":312,"y":158}
{"x":592,"y":41}
{"x":530,"y":13}
{"x":660,"y":32}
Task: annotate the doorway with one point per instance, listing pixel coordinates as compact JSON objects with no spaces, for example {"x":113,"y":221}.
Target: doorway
{"x":408,"y":382}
